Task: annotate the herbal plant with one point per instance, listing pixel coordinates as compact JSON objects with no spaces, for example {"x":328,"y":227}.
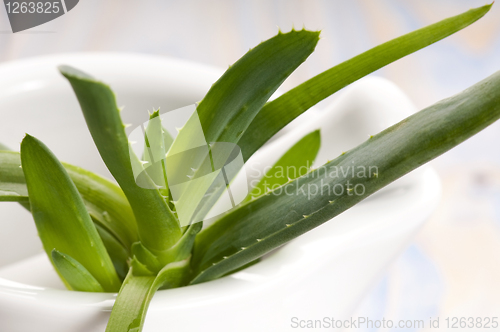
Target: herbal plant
{"x":103,"y":237}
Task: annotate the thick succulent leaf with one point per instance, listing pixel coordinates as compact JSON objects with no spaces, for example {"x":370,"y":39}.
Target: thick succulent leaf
{"x":75,"y":274}
{"x":144,"y":262}
{"x":157,"y":225}
{"x":297,"y":161}
{"x":269,"y":221}
{"x":281,"y":111}
{"x":229,"y":107}
{"x":152,"y":263}
{"x":234,"y":100}
{"x":4,"y":147}
{"x":117,"y":252}
{"x":105,"y":201}
{"x":131,"y":304}
{"x":61,"y":218}
{"x":182,"y":249}
{"x":129,"y":310}
{"x":157,"y":141}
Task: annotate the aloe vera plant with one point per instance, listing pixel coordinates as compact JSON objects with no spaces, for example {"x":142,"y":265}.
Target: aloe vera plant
{"x":102,"y":237}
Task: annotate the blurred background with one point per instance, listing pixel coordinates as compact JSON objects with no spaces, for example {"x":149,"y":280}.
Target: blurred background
{"x":453,"y":266}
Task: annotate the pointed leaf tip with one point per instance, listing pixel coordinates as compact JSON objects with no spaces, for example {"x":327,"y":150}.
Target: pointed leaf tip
{"x":74,"y":273}
{"x":28,"y":138}
{"x":155,"y":114}
{"x":68,"y":71}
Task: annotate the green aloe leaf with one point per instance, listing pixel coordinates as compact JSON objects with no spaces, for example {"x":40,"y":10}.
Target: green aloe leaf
{"x":264,"y":224}
{"x":281,"y":111}
{"x":152,"y":263}
{"x":157,"y":225}
{"x":157,"y":141}
{"x":75,"y":274}
{"x":234,"y":100}
{"x":129,"y":310}
{"x":4,"y":147}
{"x":105,"y":203}
{"x":229,"y":107}
{"x":104,"y":200}
{"x":296,"y":162}
{"x":61,"y":218}
{"x":117,"y":252}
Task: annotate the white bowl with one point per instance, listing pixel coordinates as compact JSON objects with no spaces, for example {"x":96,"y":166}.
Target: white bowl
{"x":323,"y":273}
